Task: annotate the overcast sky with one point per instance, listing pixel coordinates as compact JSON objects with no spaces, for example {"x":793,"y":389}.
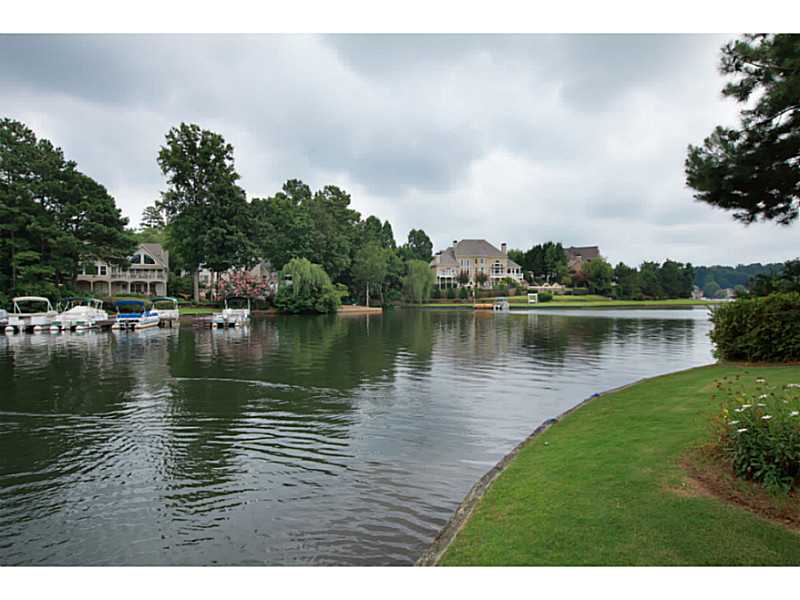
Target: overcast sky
{"x":522,"y":139}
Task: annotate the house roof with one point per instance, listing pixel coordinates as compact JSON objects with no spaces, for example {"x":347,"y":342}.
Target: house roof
{"x":477,"y":248}
{"x":445,"y":258}
{"x":157,"y":252}
{"x":511,"y":263}
{"x":585,"y":252}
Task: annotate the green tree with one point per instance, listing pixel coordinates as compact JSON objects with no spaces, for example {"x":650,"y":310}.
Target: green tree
{"x":53,"y":218}
{"x":309,"y":289}
{"x":650,"y":281}
{"x":599,"y":275}
{"x":753,"y":169}
{"x":418,"y":282}
{"x":627,"y":280}
{"x":283,"y":222}
{"x":370,"y":267}
{"x":206,"y":209}
{"x":418,"y":247}
{"x":332,"y":230}
{"x":153,"y":218}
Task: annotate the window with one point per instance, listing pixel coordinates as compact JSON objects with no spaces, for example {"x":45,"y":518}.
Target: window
{"x":497,"y":268}
{"x":148,"y":260}
{"x":136,"y":259}
{"x":103,"y":270}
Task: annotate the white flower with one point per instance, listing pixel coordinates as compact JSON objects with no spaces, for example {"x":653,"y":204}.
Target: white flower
{"x":742,"y":430}
{"x":738,"y":410}
{"x":794,"y":413}
{"x":762,"y":396}
{"x":760,"y":404}
{"x":733,"y":423}
{"x":760,"y":380}
{"x":766,"y":417}
{"x":746,"y":406}
{"x":793,"y":385}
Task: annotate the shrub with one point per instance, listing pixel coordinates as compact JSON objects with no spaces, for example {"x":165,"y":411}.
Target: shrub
{"x":545,"y":296}
{"x":463,"y":293}
{"x":759,"y":432}
{"x":451,"y":293}
{"x":758,"y":329}
{"x":436,"y":293}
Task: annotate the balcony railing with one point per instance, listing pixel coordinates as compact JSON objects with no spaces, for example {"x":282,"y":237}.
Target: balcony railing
{"x":125,"y":276}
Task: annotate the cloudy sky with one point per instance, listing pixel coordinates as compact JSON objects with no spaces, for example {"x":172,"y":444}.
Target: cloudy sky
{"x":519,"y":139}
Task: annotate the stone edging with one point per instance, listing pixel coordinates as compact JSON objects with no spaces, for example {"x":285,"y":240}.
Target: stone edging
{"x":431,"y":556}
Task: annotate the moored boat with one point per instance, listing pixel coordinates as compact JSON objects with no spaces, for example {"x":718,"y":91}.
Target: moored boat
{"x":136,"y":317}
{"x":167,"y":309}
{"x":21,"y":319}
{"x":79,"y":314}
{"x":235,"y":314}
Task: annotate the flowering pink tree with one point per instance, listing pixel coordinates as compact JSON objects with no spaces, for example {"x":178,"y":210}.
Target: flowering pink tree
{"x":242,"y":283}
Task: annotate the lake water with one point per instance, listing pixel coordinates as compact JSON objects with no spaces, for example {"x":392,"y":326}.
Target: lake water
{"x":297,"y":440}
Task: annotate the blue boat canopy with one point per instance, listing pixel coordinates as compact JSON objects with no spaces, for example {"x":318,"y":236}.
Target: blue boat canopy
{"x":123,"y":302}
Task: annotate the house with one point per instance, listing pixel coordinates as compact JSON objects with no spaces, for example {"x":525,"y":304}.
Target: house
{"x":577,"y":255}
{"x":474,"y":257}
{"x":147,"y":274}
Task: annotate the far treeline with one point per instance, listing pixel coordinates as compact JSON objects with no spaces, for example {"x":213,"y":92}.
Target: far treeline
{"x":650,"y":281}
{"x":55,"y":219}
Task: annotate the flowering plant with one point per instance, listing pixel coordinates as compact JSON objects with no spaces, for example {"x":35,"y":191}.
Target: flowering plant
{"x":759,"y":431}
{"x":243,"y":284}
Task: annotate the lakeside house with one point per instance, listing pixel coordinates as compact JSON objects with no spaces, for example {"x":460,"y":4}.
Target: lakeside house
{"x":474,"y":257}
{"x":577,"y":255}
{"x":147,"y":274}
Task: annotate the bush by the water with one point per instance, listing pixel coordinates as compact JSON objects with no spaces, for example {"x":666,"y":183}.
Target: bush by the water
{"x":463,"y":293}
{"x":310,"y":289}
{"x":758,"y":329}
{"x":451,"y":293}
{"x":545,"y":296}
{"x":759,"y":432}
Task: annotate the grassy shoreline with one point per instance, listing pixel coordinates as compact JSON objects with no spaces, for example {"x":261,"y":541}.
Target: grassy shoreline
{"x":605,"y":485}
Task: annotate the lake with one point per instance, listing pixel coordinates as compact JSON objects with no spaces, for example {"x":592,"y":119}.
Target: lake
{"x":296,"y":440}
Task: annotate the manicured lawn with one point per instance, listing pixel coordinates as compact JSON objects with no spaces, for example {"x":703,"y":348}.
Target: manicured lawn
{"x":190,"y":311}
{"x":605,"y":486}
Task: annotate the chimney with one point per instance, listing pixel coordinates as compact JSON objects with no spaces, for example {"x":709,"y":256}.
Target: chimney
{"x":454,"y":243}
{"x":503,"y":248}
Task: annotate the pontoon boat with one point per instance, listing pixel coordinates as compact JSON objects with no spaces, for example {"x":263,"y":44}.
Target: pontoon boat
{"x":20,"y":320}
{"x":79,"y":314}
{"x":167,"y":309}
{"x":137,"y":318}
{"x":232,"y":317}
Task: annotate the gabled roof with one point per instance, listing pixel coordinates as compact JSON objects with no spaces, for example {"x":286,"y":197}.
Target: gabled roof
{"x":158,"y":253}
{"x":480,"y":248}
{"x":511,"y":263}
{"x":445,"y":259}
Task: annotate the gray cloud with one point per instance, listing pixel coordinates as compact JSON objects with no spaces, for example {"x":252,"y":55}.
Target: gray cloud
{"x":514,"y":138}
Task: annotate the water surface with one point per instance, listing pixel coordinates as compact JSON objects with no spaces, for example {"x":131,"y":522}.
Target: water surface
{"x":297,"y":440}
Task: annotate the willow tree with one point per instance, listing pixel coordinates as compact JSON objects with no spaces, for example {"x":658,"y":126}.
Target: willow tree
{"x":306,"y":288}
{"x":418,"y":282}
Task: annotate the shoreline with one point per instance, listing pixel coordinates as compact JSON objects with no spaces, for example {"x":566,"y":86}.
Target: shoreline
{"x":465,"y":509}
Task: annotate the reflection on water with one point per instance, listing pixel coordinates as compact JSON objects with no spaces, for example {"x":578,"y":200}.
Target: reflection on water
{"x":299,"y":440}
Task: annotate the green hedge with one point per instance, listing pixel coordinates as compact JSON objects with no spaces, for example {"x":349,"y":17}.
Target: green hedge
{"x":758,"y":329}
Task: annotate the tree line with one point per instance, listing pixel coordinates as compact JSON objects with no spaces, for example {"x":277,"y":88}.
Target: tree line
{"x":54,"y":219}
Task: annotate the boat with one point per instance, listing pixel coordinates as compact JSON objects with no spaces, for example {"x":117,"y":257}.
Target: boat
{"x":138,"y":317}
{"x":80,"y":314}
{"x":232,"y":316}
{"x":167,"y":309}
{"x":20,"y":320}
{"x":501,"y":304}
{"x":3,"y":317}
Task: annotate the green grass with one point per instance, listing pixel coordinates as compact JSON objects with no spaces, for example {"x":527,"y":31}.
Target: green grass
{"x":599,"y":488}
{"x":191,"y":311}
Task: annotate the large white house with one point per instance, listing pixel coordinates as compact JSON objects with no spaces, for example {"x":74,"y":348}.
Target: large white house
{"x":474,"y":257}
{"x":147,"y":274}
